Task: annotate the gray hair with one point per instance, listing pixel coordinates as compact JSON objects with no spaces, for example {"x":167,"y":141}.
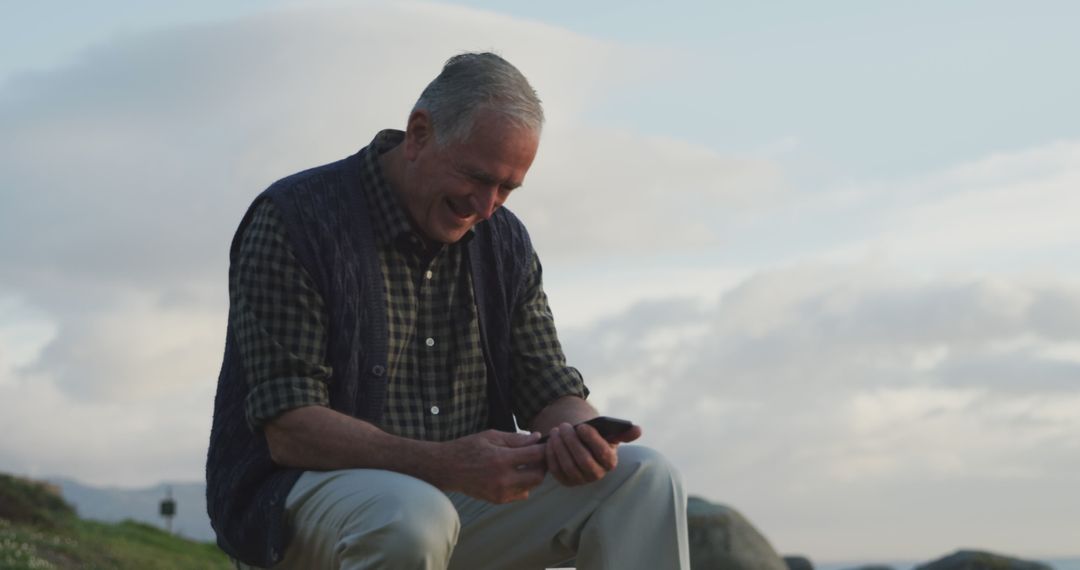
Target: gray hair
{"x":473,"y":81}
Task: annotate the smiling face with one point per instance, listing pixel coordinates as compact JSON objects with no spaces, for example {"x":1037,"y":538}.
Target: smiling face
{"x":450,"y":187}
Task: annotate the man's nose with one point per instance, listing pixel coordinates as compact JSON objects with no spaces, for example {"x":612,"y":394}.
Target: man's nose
{"x":485,"y":202}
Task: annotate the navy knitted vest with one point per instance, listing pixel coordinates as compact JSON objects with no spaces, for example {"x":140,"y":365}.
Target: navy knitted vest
{"x":326,"y":220}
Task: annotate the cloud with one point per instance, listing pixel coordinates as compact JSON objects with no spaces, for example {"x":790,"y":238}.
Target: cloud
{"x":141,"y":349}
{"x":1009,"y":210}
{"x":599,"y":193}
{"x":798,"y":385}
{"x":1004,"y":205}
{"x":127,"y":170}
{"x":135,"y":162}
{"x":124,"y":443}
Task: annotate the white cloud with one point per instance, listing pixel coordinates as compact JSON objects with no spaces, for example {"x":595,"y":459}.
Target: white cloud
{"x":22,"y":335}
{"x":1003,"y":205}
{"x":49,"y":432}
{"x":127,"y":170}
{"x":602,"y":193}
{"x":1010,"y":211}
{"x":137,"y":350}
{"x":801,"y":386}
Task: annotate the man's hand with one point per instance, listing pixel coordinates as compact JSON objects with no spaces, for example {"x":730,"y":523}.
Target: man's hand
{"x":578,"y":455}
{"x":495,"y":466}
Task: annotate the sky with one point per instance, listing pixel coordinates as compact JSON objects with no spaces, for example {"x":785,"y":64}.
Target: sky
{"x":824,"y":253}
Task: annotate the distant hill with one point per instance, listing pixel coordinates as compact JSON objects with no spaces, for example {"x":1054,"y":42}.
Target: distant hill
{"x":38,"y":529}
{"x":114,"y":504}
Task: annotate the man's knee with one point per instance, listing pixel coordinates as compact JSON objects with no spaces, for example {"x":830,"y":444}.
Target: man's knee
{"x":368,"y":518}
{"x":413,"y":524}
{"x":645,"y":458}
{"x":646,"y":466}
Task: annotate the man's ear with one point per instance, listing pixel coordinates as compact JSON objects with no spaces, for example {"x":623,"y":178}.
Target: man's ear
{"x":419,"y":133}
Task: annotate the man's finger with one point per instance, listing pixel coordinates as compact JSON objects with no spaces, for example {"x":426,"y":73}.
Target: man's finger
{"x":569,"y":468}
{"x":554,"y":467}
{"x":528,"y":455}
{"x":629,"y":435}
{"x":528,"y":477}
{"x":583,"y":457}
{"x":602,"y":451}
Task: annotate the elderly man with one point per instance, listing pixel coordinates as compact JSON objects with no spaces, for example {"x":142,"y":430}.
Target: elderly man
{"x":388,"y":335}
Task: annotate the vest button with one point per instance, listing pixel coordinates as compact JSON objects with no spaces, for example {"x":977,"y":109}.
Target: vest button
{"x":378,"y":370}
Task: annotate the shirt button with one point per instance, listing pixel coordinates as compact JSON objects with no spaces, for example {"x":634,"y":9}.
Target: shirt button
{"x":428,"y":275}
{"x":430,"y":342}
{"x":434,"y":410}
{"x":378,"y":370}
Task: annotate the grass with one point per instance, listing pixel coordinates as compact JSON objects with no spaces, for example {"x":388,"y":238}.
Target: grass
{"x":39,"y":530}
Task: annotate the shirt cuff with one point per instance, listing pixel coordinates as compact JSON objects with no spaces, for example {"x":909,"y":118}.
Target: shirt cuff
{"x":270,"y":399}
{"x":565,"y":381}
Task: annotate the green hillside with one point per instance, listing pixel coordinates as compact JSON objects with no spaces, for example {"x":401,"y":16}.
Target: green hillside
{"x":39,"y":530}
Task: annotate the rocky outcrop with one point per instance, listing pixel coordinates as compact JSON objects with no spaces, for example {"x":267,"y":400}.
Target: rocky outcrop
{"x":798,"y":563}
{"x":978,"y":560}
{"x":722,"y":539}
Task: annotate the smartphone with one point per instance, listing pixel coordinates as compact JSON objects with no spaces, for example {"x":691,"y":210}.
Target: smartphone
{"x":609,"y":428}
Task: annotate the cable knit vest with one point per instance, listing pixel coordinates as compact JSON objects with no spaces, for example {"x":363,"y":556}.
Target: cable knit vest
{"x":326,"y":220}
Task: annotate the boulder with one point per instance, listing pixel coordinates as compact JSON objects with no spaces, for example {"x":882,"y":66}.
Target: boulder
{"x":798,"y":563}
{"x":722,"y":539}
{"x":979,"y":560}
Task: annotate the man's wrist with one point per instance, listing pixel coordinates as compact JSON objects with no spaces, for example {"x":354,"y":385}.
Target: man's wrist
{"x":428,"y":461}
{"x":567,"y":409}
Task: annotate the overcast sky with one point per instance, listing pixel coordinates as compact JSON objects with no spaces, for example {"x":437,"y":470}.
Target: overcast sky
{"x":825,"y":253}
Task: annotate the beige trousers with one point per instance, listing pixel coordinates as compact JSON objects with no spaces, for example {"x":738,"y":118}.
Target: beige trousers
{"x":635,"y":517}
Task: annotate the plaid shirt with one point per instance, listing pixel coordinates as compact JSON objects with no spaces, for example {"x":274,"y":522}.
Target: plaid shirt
{"x":437,"y":379}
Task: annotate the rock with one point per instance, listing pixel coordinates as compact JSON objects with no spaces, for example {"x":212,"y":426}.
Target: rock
{"x":722,"y":539}
{"x":798,"y":563}
{"x":978,"y":560}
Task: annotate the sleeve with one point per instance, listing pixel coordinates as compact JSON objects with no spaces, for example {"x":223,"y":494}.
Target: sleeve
{"x":280,"y":322}
{"x":538,"y":364}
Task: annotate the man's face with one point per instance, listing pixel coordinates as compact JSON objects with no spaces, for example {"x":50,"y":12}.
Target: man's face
{"x":459,"y":184}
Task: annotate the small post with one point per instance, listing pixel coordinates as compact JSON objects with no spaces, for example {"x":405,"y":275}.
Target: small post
{"x":168,"y":509}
